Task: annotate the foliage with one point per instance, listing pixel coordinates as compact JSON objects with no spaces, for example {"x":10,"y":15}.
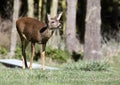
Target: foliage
{"x":58,"y":55}
{"x":95,"y":66}
{"x":18,"y":53}
{"x":109,"y":15}
{"x":88,"y":66}
{"x":3,"y":51}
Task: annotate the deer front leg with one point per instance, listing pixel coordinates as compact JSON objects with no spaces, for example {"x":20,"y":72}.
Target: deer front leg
{"x":43,"y":56}
{"x":24,"y":61}
{"x":32,"y":54}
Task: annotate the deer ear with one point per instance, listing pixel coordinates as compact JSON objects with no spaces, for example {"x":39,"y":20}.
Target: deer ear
{"x":48,"y":16}
{"x":59,"y":16}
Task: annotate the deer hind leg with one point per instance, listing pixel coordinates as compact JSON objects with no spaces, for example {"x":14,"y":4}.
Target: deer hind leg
{"x":43,"y":56}
{"x":24,"y":45}
{"x":32,"y":54}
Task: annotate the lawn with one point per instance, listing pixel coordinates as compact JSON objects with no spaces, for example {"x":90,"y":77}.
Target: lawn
{"x":66,"y":76}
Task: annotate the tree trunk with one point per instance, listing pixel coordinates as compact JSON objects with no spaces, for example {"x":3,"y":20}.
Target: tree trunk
{"x":43,"y":10}
{"x":55,"y":41}
{"x":54,"y":7}
{"x":64,"y":15}
{"x":14,"y":31}
{"x":40,"y":9}
{"x":31,"y":8}
{"x":92,"y":47}
{"x":72,"y":42}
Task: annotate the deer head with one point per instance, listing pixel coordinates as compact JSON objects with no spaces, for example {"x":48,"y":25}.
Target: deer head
{"x":54,"y":23}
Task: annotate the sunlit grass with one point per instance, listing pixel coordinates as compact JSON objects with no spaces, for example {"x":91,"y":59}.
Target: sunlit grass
{"x":69,"y":74}
{"x":72,"y":73}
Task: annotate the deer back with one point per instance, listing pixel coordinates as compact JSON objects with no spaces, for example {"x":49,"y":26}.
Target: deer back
{"x":31,"y":29}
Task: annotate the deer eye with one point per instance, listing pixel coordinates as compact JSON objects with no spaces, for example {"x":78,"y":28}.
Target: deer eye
{"x":52,"y":22}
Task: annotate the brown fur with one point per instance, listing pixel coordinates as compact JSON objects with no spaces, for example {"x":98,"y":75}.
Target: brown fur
{"x":30,"y":29}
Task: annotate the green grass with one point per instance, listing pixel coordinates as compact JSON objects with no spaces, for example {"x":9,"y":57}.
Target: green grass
{"x":70,"y":74}
{"x":62,"y":77}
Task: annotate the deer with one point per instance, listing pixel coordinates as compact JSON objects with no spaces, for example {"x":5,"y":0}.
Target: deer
{"x":34,"y":31}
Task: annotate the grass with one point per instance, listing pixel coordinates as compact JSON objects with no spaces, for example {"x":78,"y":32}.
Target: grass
{"x":70,"y":74}
{"x":62,"y":77}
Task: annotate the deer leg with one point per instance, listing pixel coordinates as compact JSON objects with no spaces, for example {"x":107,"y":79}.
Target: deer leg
{"x":43,"y":56}
{"x":32,"y":54}
{"x":24,"y":45}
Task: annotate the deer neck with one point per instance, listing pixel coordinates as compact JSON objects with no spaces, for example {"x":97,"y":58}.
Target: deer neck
{"x":47,"y":33}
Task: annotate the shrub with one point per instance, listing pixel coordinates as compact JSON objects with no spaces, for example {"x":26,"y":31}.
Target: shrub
{"x":88,"y":66}
{"x":58,"y":55}
{"x":95,"y":66}
{"x":18,"y":53}
{"x":3,"y":51}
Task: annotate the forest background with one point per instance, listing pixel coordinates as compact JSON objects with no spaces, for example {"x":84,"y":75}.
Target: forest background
{"x":86,"y":49}
{"x":90,"y":29}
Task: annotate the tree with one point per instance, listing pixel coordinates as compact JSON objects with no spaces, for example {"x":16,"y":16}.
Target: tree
{"x":31,"y":8}
{"x":72,"y":42}
{"x":13,"y":31}
{"x":55,"y":40}
{"x":92,"y":47}
{"x":54,"y":7}
{"x":43,"y":10}
{"x":40,"y":9}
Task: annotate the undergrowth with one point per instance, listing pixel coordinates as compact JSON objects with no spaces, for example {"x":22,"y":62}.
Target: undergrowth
{"x":3,"y":51}
{"x":57,"y":55}
{"x":88,"y":66}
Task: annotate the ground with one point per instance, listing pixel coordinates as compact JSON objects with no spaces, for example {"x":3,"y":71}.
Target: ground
{"x":69,"y":74}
